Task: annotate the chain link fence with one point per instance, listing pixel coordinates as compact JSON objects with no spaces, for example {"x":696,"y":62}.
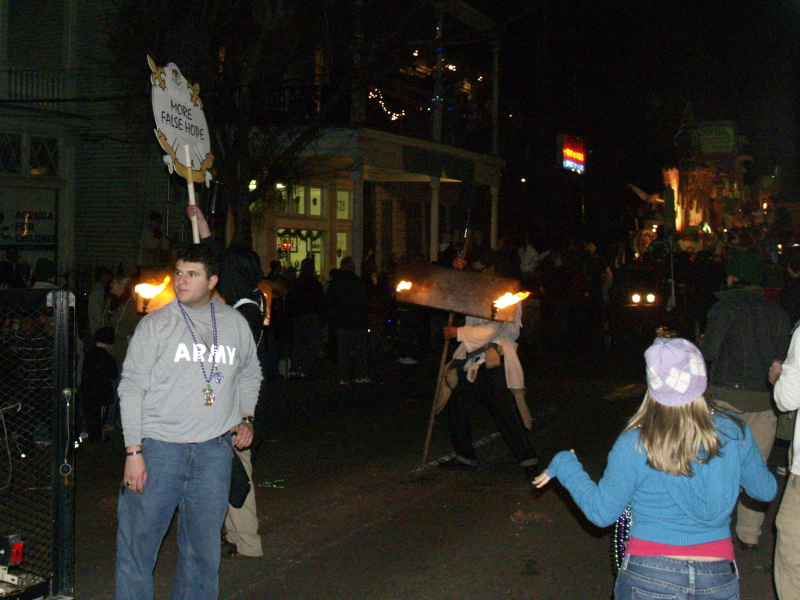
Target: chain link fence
{"x":37,"y":438}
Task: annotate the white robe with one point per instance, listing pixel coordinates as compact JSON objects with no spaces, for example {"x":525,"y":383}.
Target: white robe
{"x":479,"y":332}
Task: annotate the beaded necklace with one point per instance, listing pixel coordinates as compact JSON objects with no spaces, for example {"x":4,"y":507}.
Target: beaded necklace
{"x":621,"y":533}
{"x":208,"y":395}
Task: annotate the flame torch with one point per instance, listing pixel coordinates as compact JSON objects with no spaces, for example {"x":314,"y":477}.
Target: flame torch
{"x":148,"y":291}
{"x":509,"y":299}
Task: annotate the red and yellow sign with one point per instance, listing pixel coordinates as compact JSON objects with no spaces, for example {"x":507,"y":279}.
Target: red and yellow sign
{"x":573,"y":153}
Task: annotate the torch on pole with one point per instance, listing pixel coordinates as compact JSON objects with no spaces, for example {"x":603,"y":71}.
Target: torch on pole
{"x":503,"y":309}
{"x":475,"y":294}
{"x":443,"y":360}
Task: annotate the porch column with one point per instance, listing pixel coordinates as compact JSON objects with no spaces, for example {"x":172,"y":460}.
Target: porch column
{"x":265,"y":236}
{"x":495,"y":98}
{"x":434,"y":236}
{"x":65,"y":251}
{"x":331,"y":231}
{"x":357,"y":176}
{"x":3,"y":48}
{"x":380,"y":259}
{"x":494,"y":190}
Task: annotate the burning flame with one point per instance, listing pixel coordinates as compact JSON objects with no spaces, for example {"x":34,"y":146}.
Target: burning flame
{"x":403,"y":285}
{"x":149,"y":291}
{"x":509,"y":299}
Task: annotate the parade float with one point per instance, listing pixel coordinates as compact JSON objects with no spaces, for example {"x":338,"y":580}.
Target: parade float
{"x":705,"y":205}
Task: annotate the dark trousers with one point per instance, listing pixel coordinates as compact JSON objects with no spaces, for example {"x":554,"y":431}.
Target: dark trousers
{"x":93,"y":410}
{"x":489,"y":388}
{"x":409,"y":332}
{"x":260,"y":417}
{"x":352,"y":352}
{"x":306,"y":342}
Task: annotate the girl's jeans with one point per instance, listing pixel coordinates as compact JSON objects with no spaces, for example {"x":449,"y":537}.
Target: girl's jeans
{"x":660,"y":578}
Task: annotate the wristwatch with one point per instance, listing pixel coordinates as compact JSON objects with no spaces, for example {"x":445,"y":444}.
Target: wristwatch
{"x":248,"y":419}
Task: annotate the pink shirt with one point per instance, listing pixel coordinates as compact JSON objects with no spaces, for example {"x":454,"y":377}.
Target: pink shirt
{"x":722,"y":549}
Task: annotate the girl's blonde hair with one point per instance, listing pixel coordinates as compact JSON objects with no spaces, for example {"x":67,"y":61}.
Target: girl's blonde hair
{"x":675,"y":436}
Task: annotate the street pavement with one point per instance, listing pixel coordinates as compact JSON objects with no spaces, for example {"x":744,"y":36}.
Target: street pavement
{"x":347,"y":510}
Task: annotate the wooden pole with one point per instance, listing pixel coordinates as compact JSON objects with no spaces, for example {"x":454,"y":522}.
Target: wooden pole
{"x":437,"y":393}
{"x":445,"y":350}
{"x":190,"y":183}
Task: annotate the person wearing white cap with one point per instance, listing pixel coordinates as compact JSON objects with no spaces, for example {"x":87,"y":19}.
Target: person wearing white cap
{"x":786,"y":378}
{"x":675,"y":473}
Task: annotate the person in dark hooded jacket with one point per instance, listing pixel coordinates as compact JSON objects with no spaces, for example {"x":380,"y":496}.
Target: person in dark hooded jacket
{"x":306,"y":304}
{"x":745,"y":333}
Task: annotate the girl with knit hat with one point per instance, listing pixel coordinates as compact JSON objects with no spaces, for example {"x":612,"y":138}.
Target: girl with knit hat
{"x":677,"y":468}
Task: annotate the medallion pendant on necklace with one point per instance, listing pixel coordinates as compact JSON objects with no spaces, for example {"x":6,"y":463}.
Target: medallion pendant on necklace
{"x":208,"y":395}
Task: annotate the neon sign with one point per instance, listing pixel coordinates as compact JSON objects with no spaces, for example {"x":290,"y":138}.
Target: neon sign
{"x":573,"y":153}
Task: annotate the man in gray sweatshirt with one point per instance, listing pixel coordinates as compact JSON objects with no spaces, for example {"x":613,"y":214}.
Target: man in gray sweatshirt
{"x":188,"y":392}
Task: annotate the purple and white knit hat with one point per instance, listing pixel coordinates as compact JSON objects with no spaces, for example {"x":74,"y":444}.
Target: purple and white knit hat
{"x":676,"y":371}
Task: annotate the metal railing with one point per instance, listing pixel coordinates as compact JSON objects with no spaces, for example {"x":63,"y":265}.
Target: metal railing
{"x":297,"y":103}
{"x":36,"y":429}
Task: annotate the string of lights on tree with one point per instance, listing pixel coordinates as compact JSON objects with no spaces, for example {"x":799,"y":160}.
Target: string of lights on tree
{"x":376,"y":94}
{"x":394,"y":116}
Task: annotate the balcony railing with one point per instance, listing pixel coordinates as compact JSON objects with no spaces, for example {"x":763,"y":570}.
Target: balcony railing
{"x":468,"y":130}
{"x":33,"y":85}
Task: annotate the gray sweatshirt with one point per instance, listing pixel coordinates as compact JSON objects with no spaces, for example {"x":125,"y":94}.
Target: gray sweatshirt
{"x":161,"y":391}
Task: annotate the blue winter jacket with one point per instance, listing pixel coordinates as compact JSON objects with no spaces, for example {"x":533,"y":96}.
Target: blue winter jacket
{"x":670,"y":509}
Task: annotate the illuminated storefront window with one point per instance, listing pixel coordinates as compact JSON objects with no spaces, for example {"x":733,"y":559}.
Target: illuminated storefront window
{"x":301,"y":201}
{"x":315,"y":202}
{"x":342,"y":249}
{"x":344,"y":201}
{"x":296,"y":244}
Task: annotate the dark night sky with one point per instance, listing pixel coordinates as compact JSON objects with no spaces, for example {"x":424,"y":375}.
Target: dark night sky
{"x":621,"y":74}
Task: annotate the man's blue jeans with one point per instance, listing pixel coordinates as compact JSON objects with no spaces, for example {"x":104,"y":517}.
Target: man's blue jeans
{"x":662,"y":578}
{"x":195,"y":478}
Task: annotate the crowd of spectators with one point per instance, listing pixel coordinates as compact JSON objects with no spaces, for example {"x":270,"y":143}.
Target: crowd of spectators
{"x":575,"y":288}
{"x":354,"y":321}
{"x":16,"y":273}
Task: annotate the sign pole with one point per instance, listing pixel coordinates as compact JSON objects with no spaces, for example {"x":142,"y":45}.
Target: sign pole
{"x":190,"y":183}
